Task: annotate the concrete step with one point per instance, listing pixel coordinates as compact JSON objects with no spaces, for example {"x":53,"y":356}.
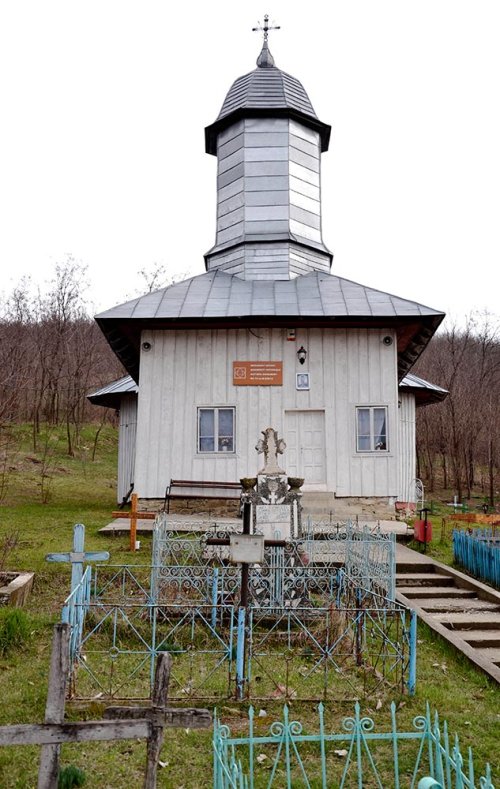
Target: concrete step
{"x":461,"y":621}
{"x":482,"y":638}
{"x":467,"y":605}
{"x":420,"y":565}
{"x":423,"y":579}
{"x":435,"y":592}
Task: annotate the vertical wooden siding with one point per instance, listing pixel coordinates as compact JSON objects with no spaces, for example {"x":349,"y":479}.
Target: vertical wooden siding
{"x":126,"y":444}
{"x":407,"y":439}
{"x":268,"y":183}
{"x":186,"y":370}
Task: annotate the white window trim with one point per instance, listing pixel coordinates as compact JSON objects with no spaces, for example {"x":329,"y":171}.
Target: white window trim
{"x":372,"y":450}
{"x":218,"y":452}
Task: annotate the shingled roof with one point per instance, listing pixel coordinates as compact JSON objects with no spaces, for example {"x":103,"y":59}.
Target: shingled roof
{"x":216,"y":299}
{"x":266,"y":91}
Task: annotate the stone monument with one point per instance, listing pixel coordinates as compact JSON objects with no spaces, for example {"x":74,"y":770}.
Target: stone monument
{"x":275,"y":498}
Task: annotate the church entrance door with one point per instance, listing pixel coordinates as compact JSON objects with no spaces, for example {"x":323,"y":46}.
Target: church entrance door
{"x":305,"y":447}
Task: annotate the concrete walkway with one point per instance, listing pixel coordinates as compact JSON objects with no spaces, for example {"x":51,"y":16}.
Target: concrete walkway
{"x":201,"y":523}
{"x":182,"y":523}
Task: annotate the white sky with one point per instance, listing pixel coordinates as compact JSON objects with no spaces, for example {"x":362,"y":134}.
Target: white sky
{"x":104,"y":104}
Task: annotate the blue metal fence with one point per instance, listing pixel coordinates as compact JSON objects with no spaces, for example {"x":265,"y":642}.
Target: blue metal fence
{"x":357,"y":756}
{"x":479,"y":553}
{"x":348,"y":644}
{"x":368,"y":554}
{"x":305,"y":564}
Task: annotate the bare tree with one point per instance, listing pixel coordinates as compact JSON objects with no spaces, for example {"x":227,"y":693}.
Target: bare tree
{"x":463,"y":430}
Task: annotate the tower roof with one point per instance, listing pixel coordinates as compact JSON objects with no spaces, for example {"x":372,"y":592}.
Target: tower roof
{"x":266,"y":92}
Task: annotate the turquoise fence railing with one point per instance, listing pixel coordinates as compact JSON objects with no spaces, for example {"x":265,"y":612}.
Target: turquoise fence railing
{"x":358,"y":756}
{"x":479,"y":553}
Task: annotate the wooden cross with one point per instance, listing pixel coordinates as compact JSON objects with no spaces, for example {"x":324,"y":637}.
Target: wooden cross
{"x":159,"y":716}
{"x":266,"y":28}
{"x":133,"y":723}
{"x":78,"y":555}
{"x":133,"y":515}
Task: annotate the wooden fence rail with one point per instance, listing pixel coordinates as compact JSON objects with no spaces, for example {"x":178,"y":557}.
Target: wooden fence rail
{"x":122,"y":723}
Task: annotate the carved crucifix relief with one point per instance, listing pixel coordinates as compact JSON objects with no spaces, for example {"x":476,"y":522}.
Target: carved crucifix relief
{"x":271,"y":446}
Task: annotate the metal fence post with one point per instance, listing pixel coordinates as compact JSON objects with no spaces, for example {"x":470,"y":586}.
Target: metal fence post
{"x":215,"y":590}
{"x":412,"y":663}
{"x":240,"y":654}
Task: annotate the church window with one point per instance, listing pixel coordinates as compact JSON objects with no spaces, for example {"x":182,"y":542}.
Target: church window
{"x":216,"y":430}
{"x":371,"y":429}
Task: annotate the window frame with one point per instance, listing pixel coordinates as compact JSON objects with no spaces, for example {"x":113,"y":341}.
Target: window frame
{"x":373,"y":449}
{"x":215,"y":409}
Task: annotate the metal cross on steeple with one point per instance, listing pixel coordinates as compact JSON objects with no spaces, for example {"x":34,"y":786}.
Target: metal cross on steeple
{"x":265,"y":59}
{"x":265,"y":28}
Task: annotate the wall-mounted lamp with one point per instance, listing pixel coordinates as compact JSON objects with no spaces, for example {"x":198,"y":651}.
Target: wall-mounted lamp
{"x":301,"y":354}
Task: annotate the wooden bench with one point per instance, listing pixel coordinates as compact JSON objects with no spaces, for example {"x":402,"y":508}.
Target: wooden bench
{"x":193,"y":484}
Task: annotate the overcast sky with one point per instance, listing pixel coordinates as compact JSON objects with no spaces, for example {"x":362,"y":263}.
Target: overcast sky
{"x":104,"y":104}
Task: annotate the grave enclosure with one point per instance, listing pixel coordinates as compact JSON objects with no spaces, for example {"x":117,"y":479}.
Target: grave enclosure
{"x":280,"y":609}
{"x":310,"y":630}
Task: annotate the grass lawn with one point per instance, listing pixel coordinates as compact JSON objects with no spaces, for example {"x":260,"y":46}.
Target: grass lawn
{"x":81,"y":490}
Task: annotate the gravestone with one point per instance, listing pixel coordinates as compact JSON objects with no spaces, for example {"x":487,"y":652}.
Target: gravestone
{"x":275,"y":498}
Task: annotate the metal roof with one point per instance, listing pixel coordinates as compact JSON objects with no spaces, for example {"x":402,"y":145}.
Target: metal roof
{"x":219,"y":299}
{"x":269,"y":87}
{"x":266,"y":92}
{"x":111,"y":394}
{"x":425,"y":392}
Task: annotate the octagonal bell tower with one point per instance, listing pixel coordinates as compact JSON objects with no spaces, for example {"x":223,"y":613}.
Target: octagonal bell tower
{"x":268,"y":141}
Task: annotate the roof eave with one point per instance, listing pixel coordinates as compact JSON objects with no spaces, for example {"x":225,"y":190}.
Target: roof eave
{"x":124,"y":334}
{"x":107,"y":400}
{"x":213,"y":131}
{"x":417,"y":342}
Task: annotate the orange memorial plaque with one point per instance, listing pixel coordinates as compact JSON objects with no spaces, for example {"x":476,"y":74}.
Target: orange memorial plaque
{"x":257,"y":373}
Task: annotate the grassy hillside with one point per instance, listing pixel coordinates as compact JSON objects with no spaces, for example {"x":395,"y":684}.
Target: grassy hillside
{"x":81,"y":490}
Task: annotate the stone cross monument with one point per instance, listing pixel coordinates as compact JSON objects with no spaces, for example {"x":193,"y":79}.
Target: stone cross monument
{"x":275,"y":498}
{"x":271,"y":446}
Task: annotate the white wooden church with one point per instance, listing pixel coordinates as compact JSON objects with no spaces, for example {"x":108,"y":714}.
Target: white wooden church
{"x":268,"y":335}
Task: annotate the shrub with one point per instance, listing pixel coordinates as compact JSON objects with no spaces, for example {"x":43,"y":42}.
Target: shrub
{"x":71,"y":776}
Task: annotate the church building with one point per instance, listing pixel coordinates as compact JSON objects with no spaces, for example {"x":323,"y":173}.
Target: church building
{"x":268,"y":335}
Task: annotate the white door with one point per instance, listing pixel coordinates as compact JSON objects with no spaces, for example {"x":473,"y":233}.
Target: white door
{"x":305,"y":447}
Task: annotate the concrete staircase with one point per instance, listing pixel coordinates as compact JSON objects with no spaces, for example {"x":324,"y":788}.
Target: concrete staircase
{"x":462,"y":610}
